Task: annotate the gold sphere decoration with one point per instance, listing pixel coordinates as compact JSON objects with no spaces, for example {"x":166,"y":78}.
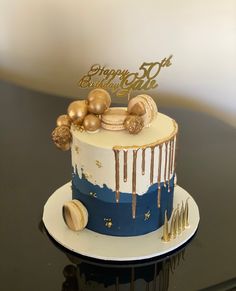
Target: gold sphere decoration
{"x":97,"y":106}
{"x":64,"y":120}
{"x":99,"y":93}
{"x":62,"y":137}
{"x":91,"y":122}
{"x":77,"y":110}
{"x":134,"y":124}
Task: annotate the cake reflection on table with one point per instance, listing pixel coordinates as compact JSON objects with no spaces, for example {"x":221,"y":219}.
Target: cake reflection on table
{"x":86,"y":275}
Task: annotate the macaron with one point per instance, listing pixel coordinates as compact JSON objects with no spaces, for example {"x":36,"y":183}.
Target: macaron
{"x":75,"y":215}
{"x":143,"y":101}
{"x":114,"y":117}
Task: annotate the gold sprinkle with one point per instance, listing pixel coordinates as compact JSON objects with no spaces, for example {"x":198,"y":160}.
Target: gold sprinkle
{"x":98,"y":164}
{"x":108,"y":222}
{"x":147,"y":215}
{"x":117,"y":174}
{"x":93,"y":194}
{"x":77,"y":149}
{"x":87,"y":175}
{"x":152,"y":165}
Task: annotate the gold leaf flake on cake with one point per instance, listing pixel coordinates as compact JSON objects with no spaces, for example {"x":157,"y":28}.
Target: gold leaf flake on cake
{"x":98,"y":164}
{"x":87,"y":175}
{"x":77,"y":149}
{"x":147,"y":215}
{"x":93,"y":194}
{"x":108,"y":222}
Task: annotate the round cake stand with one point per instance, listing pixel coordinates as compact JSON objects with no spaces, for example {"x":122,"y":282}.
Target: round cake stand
{"x":112,"y":248}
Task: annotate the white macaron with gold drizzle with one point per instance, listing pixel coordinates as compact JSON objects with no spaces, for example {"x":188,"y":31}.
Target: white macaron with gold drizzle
{"x":143,"y":105}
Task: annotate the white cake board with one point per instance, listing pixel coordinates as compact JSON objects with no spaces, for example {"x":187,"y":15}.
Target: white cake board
{"x":113,"y":248}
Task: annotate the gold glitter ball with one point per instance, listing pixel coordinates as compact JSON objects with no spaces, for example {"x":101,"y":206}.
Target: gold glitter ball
{"x":134,"y":124}
{"x":62,"y":138}
{"x":64,"y":120}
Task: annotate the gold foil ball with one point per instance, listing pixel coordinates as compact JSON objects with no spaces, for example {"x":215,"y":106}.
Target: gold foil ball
{"x":77,"y":110}
{"x":134,"y":124}
{"x":91,"y":122}
{"x":64,"y":120}
{"x":97,"y":106}
{"x":62,"y":138}
{"x":101,"y":94}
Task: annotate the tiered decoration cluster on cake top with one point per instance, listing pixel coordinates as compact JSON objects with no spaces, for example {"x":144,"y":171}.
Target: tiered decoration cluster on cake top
{"x":123,"y":162}
{"x":95,"y":112}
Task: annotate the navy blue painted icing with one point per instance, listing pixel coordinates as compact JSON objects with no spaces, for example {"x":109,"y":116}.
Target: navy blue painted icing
{"x":103,"y":206}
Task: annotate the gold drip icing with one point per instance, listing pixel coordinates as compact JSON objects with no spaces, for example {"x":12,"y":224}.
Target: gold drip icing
{"x":169,"y":165}
{"x":117,"y":174}
{"x":166,"y":156}
{"x":172,"y":155}
{"x":175,"y":151}
{"x":153,"y":144}
{"x":159,"y":177}
{"x":134,"y":183}
{"x":152,"y":165}
{"x":125,"y":165}
{"x":143,"y":161}
{"x":159,"y":196}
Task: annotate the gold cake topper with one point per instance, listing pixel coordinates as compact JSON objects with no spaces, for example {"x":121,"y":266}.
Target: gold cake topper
{"x":121,"y":82}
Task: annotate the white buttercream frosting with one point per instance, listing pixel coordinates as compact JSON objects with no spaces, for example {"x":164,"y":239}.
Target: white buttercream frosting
{"x":160,"y":128}
{"x":93,"y":152}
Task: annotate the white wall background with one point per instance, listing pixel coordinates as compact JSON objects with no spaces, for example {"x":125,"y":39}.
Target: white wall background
{"x":49,"y":44}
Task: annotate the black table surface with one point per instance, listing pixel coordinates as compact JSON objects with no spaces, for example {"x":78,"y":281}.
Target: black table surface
{"x":32,"y":168}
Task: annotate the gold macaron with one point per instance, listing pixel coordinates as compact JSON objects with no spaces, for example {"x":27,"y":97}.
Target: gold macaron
{"x":113,"y":118}
{"x":145,"y":105}
{"x":75,"y":215}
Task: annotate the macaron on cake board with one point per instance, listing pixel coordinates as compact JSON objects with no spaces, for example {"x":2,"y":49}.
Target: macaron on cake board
{"x":124,"y":191}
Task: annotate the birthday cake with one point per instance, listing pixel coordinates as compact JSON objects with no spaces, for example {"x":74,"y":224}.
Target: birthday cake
{"x":123,"y":164}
